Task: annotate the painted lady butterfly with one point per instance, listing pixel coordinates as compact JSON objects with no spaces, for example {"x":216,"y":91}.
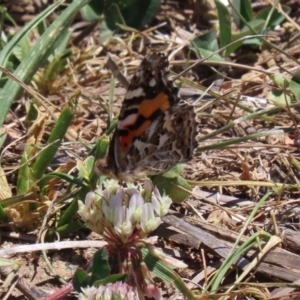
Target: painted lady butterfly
{"x":156,"y":129}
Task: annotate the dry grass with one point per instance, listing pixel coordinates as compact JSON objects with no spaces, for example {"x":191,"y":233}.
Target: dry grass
{"x":226,"y":207}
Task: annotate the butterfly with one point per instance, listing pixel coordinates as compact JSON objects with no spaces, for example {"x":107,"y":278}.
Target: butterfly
{"x":156,"y":129}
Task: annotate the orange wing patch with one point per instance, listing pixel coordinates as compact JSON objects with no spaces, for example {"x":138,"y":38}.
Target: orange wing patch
{"x":148,"y":107}
{"x":126,"y":140}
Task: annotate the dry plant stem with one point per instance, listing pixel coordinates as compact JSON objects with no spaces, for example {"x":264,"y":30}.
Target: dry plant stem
{"x":281,"y":11}
{"x":61,"y":293}
{"x":219,"y":206}
{"x":15,"y":142}
{"x":204,"y":267}
{"x":42,"y":100}
{"x":32,"y":158}
{"x":277,"y":263}
{"x":204,"y":275}
{"x":10,"y":274}
{"x":52,"y":269}
{"x":222,"y":64}
{"x":8,"y":252}
{"x":218,"y":51}
{"x":257,"y":145}
{"x":270,"y":245}
{"x":234,"y":106}
{"x":248,"y":183}
{"x":294,"y":118}
{"x":194,"y":210}
{"x":223,"y":199}
{"x":273,"y":219}
{"x":116,"y":71}
{"x":28,"y":291}
{"x":207,"y":239}
{"x":280,"y":292}
{"x":282,"y":188}
{"x":11,"y":288}
{"x":20,"y":284}
{"x":43,"y":226}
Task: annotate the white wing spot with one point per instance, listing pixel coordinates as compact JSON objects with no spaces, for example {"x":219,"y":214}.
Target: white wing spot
{"x":129,"y":120}
{"x":152,"y":82}
{"x":134,"y":93}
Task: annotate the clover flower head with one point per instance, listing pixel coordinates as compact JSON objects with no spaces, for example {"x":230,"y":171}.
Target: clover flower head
{"x":110,"y":291}
{"x":122,"y":215}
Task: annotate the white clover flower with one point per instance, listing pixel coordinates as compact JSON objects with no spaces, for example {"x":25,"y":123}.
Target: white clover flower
{"x":135,"y":207}
{"x":110,"y":207}
{"x":160,"y":204}
{"x":148,"y":220}
{"x":91,"y":213}
{"x":122,"y":224}
{"x":148,"y":189}
{"x":122,"y":215}
{"x":110,"y":291}
{"x":111,"y":186}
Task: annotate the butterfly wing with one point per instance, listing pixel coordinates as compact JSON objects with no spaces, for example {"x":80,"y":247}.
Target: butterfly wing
{"x":155,"y":130}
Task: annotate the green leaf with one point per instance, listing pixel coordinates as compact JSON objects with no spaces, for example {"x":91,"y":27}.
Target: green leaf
{"x":42,"y":27}
{"x":22,"y":34}
{"x":113,"y":16}
{"x":9,"y":263}
{"x":295,"y":85}
{"x":80,"y":280}
{"x":102,"y":147}
{"x":280,"y":97}
{"x":135,"y":14}
{"x":3,"y":216}
{"x":67,"y":177}
{"x":58,"y":63}
{"x":252,"y":42}
{"x":224,"y":24}
{"x":3,"y":135}
{"x":204,"y":45}
{"x":171,"y":183}
{"x":25,"y":179}
{"x":37,"y":56}
{"x":31,"y":115}
{"x":93,"y":10}
{"x":272,"y":16}
{"x":252,"y":27}
{"x":22,"y":49}
{"x":285,"y":90}
{"x":85,"y":168}
{"x":111,"y":279}
{"x":69,"y":214}
{"x":141,"y":13}
{"x":7,"y":202}
{"x":165,"y":273}
{"x":255,"y":26}
{"x":54,"y":140}
{"x":106,"y":33}
{"x":67,"y":229}
{"x":242,"y":10}
{"x":280,"y":80}
{"x":99,"y":267}
{"x":123,"y":3}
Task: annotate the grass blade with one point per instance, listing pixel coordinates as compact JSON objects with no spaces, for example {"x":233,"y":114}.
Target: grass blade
{"x":37,"y":56}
